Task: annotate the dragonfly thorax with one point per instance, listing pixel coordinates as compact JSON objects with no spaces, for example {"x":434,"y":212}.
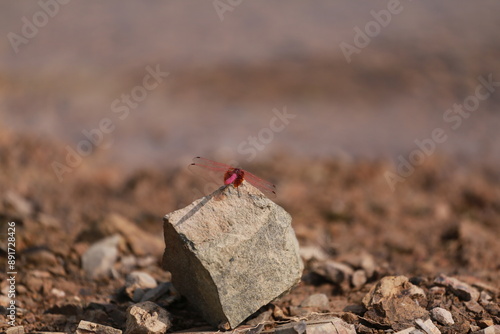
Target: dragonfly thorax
{"x":234,"y":176}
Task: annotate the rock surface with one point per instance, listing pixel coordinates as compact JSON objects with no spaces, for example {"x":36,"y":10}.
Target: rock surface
{"x":231,"y":253}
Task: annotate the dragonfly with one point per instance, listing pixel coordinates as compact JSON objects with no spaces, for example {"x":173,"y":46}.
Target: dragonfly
{"x":235,"y":176}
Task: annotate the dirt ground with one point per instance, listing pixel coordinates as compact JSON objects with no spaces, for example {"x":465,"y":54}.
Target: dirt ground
{"x":443,"y":219}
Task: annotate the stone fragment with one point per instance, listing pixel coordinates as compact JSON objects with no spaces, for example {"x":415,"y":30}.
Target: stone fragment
{"x":87,"y":327}
{"x":231,"y":252}
{"x":483,"y":323}
{"x":442,"y":316}
{"x":333,"y":271}
{"x":428,"y":326}
{"x":156,"y":293}
{"x":489,"y":330}
{"x":395,"y":302}
{"x":141,"y":242}
{"x":485,"y":287}
{"x":358,"y":278}
{"x":485,"y":298}
{"x":473,"y":306}
{"x":325,"y":326}
{"x":136,"y":284}
{"x":312,"y":253}
{"x":278,"y":313}
{"x":418,"y":295}
{"x":147,"y":318}
{"x":99,"y":259}
{"x":17,"y":205}
{"x":462,"y":290}
{"x":437,"y":290}
{"x":409,"y":330}
{"x":493,"y":309}
{"x":293,"y":328}
{"x":314,"y":303}
{"x":318,"y":300}
{"x":336,"y":325}
{"x":58,"y":293}
{"x":261,"y":318}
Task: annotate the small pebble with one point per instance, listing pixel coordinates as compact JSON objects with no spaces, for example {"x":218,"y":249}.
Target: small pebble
{"x":442,"y":316}
{"x":318,"y":300}
{"x":87,"y":327}
{"x":99,"y":259}
{"x":358,"y":278}
{"x":58,"y":293}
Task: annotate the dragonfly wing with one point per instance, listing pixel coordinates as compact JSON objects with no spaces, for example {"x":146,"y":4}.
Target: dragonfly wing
{"x":266,"y":187}
{"x":210,"y":164}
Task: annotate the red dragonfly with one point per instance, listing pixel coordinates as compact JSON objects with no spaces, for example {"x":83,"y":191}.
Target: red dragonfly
{"x":236,"y":176}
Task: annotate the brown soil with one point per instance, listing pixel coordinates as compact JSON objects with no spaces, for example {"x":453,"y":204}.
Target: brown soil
{"x":443,"y":219}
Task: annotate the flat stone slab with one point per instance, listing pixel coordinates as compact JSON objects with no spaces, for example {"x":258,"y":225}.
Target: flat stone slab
{"x":230,"y":253}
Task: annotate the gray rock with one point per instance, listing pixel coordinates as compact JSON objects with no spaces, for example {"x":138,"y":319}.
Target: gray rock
{"x":231,"y":253}
{"x":442,"y":316}
{"x":147,"y":318}
{"x":99,"y":259}
{"x":87,"y":327}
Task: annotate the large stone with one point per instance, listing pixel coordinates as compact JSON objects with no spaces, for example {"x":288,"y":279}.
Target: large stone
{"x":230,"y":253}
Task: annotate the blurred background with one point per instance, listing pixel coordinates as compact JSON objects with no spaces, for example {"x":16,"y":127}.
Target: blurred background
{"x":230,"y":65}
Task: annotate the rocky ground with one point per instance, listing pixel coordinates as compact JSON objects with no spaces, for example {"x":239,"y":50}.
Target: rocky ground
{"x":424,"y":256}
